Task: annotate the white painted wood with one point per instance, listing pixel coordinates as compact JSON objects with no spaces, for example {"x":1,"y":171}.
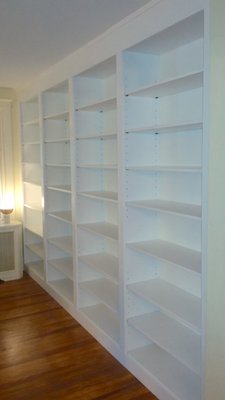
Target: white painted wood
{"x":124,"y":182}
{"x":172,"y":300}
{"x":60,"y":188}
{"x":187,"y":210}
{"x":103,"y":318}
{"x":103,"y":135}
{"x":173,"y":86}
{"x":105,"y":290}
{"x":100,"y":106}
{"x":97,"y":166}
{"x":177,"y":378}
{"x":64,"y":265}
{"x":64,"y":287}
{"x":173,"y":337}
{"x":62,"y":215}
{"x":36,"y":267}
{"x":11,"y":258}
{"x":103,"y":229}
{"x":64,"y":243}
{"x":101,"y":195}
{"x":169,"y":168}
{"x":37,"y":248}
{"x":64,"y":115}
{"x":171,"y":252}
{"x":104,"y":263}
{"x":167,"y":128}
{"x":33,"y":220}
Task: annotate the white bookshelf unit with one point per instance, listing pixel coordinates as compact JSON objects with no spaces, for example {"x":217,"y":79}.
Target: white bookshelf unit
{"x":115,"y":149}
{"x":58,"y":191}
{"x":97,"y":197}
{"x":32,"y":188}
{"x":163,"y":200}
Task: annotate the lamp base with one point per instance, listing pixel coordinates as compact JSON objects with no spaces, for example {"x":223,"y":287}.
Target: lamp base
{"x":6,"y":216}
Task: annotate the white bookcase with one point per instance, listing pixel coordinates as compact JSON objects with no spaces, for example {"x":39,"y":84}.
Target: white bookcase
{"x":58,"y":190}
{"x":32,"y":188}
{"x":97,"y":197}
{"x":116,"y":150}
{"x":163,"y":92}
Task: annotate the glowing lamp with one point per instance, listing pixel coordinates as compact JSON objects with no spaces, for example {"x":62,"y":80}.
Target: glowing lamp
{"x":7,"y":207}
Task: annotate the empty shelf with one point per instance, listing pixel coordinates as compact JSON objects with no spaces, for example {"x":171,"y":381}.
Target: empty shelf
{"x":99,"y":105}
{"x":172,"y":128}
{"x":188,"y":210}
{"x":62,"y":215}
{"x":36,"y":267}
{"x":64,"y":287}
{"x":104,"y":318}
{"x":165,"y":168}
{"x":175,"y":302}
{"x":102,"y":229}
{"x":60,"y":188}
{"x":175,"y":338}
{"x":37,"y":248}
{"x":101,"y":195}
{"x":179,"y":379}
{"x":63,"y":243}
{"x":170,"y":252}
{"x":171,"y":86}
{"x":105,"y":290}
{"x":104,"y":263}
{"x":64,"y":265}
{"x":63,"y":115}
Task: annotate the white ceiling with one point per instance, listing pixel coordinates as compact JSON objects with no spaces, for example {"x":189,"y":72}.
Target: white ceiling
{"x":34,"y":34}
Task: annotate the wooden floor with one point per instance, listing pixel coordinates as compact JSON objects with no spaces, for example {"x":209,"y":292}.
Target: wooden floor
{"x":45,"y":354}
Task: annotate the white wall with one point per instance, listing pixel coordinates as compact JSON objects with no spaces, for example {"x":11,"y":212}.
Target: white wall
{"x":215,"y":281}
{"x":9,"y":94}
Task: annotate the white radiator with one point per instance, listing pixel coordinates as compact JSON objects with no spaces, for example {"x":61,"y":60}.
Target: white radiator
{"x":11,"y":265}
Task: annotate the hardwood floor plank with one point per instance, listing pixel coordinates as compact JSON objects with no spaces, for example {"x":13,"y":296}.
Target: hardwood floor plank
{"x":45,"y":354}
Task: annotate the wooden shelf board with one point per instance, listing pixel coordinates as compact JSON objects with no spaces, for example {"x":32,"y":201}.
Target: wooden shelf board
{"x":103,"y":263}
{"x":60,"y":165}
{"x":32,"y":122}
{"x":178,"y":340}
{"x":104,"y":229}
{"x":170,"y":252}
{"x":165,"y":168}
{"x":64,"y":287}
{"x":65,"y":265}
{"x":34,"y":228}
{"x":36,"y":267}
{"x":57,"y":140}
{"x":172,"y":207}
{"x":103,"y":289}
{"x":101,"y":195}
{"x":99,"y":105}
{"x":64,"y":115}
{"x":31,"y":143}
{"x":175,"y":302}
{"x":97,"y":166}
{"x":63,"y":243}
{"x":173,"y":128}
{"x":104,"y":318}
{"x":179,"y":379}
{"x":37,"y":248}
{"x":60,"y":188}
{"x":172,"y":86}
{"x":103,"y":135}
{"x":65,"y":216}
